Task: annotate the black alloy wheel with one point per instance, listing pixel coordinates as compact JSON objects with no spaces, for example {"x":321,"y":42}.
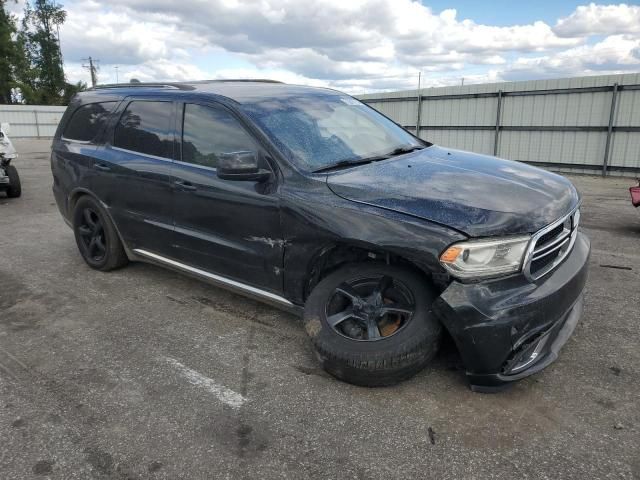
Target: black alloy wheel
{"x":96,"y":236}
{"x":370,"y":308}
{"x":92,"y":235}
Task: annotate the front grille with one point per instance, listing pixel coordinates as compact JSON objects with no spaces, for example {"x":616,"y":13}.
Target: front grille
{"x":551,"y":244}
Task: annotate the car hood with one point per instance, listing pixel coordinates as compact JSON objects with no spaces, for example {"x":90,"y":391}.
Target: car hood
{"x":476,"y":194}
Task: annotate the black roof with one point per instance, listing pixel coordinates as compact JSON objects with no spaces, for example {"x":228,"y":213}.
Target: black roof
{"x":239,"y":90}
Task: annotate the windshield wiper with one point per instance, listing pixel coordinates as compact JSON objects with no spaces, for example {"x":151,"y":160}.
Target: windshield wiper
{"x":406,"y":149}
{"x":376,"y":158}
{"x":348,"y":163}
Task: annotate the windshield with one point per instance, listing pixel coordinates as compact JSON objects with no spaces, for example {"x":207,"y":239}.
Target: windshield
{"x":317,"y":131}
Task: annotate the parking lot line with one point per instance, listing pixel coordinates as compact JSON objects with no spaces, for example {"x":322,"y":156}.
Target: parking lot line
{"x":222,"y":393}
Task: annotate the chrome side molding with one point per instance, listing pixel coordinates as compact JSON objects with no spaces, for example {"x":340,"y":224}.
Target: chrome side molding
{"x":218,"y":280}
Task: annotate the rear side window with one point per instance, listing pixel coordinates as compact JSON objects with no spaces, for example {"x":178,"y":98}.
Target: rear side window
{"x":145,"y":127}
{"x":208,"y":132}
{"x":87,"y":121}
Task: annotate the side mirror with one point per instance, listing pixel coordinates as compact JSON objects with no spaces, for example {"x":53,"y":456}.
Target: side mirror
{"x":6,"y":128}
{"x":240,"y":166}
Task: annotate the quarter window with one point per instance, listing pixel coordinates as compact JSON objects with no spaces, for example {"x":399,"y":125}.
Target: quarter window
{"x":145,"y":127}
{"x":208,"y":132}
{"x":87,"y":121}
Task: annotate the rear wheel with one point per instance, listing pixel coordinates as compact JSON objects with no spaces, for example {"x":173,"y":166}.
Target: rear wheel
{"x":96,"y":236}
{"x":371,"y":324}
{"x":15,"y":188}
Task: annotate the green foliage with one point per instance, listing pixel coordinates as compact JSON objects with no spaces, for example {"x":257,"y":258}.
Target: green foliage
{"x":70,"y":89}
{"x":41,"y":78}
{"x":9,"y":54}
{"x":31,"y":68}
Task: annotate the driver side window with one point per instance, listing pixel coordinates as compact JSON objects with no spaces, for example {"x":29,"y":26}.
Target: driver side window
{"x":207,"y":132}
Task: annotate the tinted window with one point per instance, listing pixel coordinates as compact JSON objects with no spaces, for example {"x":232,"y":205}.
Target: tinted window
{"x":145,"y":127}
{"x":208,"y":132}
{"x":87,"y":121}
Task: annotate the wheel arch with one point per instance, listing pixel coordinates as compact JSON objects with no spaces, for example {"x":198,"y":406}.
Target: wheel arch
{"x":72,"y":200}
{"x":332,"y":256}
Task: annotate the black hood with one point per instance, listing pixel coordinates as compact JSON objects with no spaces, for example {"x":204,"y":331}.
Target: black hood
{"x":476,"y":194}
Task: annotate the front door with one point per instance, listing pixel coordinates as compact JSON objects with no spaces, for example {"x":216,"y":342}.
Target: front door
{"x":227,"y":227}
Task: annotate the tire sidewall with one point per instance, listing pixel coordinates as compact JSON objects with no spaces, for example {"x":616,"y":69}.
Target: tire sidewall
{"x":15,"y":187}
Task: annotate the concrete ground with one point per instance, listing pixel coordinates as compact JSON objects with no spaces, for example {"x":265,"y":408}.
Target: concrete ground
{"x":143,"y":373}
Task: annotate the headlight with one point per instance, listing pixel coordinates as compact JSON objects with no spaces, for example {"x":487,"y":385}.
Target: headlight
{"x":485,"y":258}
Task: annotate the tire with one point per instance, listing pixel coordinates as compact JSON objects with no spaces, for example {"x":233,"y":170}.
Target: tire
{"x":15,"y":188}
{"x":96,"y":236}
{"x":372,"y":362}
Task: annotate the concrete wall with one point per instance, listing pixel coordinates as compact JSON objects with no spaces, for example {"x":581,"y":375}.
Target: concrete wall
{"x":562,"y":123}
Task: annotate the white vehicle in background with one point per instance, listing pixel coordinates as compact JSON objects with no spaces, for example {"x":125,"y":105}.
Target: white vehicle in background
{"x":9,"y":179}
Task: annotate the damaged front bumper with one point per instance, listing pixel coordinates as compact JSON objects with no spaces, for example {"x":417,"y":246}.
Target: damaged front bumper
{"x":507,"y":329}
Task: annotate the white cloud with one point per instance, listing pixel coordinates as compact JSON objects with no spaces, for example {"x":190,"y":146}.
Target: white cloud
{"x":614,"y":54}
{"x":600,"y":19}
{"x":356,"y":44}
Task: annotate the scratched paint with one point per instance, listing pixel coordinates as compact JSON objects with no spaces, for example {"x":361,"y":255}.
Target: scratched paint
{"x":272,"y":242}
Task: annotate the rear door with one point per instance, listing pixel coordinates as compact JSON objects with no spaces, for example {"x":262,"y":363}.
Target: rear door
{"x":74,"y":148}
{"x":133,"y":172}
{"x":231,"y":228}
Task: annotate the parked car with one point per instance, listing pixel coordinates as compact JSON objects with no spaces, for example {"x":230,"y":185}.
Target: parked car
{"x":9,"y":178}
{"x":312,"y":201}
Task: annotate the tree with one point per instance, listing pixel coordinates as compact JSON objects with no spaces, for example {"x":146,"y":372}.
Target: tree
{"x":40,"y":74}
{"x":8,"y":54}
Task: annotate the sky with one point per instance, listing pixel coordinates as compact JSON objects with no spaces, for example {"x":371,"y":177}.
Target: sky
{"x":358,"y":46}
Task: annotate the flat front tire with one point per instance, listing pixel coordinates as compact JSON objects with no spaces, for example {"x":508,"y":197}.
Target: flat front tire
{"x":371,"y":324}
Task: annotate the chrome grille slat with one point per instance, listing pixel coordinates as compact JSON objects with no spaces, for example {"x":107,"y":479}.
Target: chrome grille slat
{"x":540,"y":259}
{"x":538,"y":256}
{"x":550,"y":244}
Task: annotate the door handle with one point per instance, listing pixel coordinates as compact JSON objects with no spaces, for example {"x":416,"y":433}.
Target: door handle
{"x":102,"y":167}
{"x":184,"y":185}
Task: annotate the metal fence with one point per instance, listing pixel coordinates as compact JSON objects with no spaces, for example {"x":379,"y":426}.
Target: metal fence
{"x":589,"y":124}
{"x":31,"y":121}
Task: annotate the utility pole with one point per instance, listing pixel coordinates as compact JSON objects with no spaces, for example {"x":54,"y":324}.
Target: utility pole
{"x":93,"y":70}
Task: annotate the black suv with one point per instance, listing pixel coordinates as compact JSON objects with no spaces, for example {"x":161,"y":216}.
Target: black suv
{"x":312,"y":201}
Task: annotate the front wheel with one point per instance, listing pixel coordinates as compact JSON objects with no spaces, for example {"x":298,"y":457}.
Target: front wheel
{"x":371,"y":324}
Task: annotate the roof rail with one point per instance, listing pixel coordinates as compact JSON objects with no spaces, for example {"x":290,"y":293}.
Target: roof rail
{"x":258,"y":80}
{"x":179,"y":85}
